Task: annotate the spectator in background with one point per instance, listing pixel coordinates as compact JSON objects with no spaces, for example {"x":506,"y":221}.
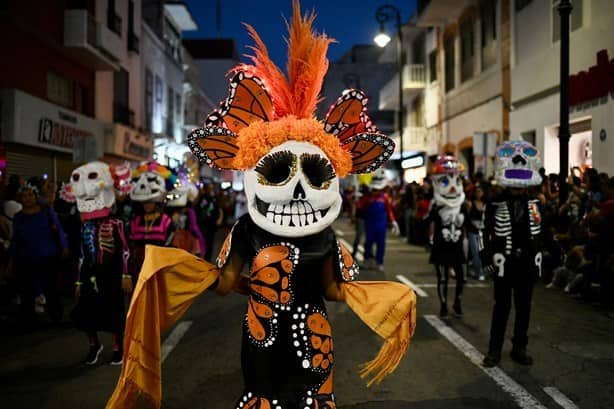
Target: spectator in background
{"x":210,"y":217}
{"x":477,"y":211}
{"x":408,"y":203}
{"x":606,"y":240}
{"x":37,"y":246}
{"x":358,"y":217}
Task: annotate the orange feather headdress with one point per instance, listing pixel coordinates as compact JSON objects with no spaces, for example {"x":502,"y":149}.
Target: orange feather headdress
{"x":265,"y":108}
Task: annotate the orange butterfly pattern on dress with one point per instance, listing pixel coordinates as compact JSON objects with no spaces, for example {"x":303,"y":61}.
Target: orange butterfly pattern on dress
{"x":247,"y":101}
{"x":348,"y":268}
{"x":257,"y":403}
{"x":347,"y":119}
{"x":270,"y":287}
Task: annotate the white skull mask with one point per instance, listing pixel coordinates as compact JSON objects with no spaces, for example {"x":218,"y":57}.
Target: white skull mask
{"x":148,"y":187}
{"x":293,"y":191}
{"x":181,"y":195}
{"x":448,"y":189}
{"x":517,"y":164}
{"x":92,"y":186}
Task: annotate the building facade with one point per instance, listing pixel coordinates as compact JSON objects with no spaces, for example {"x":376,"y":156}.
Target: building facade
{"x":468,"y":63}
{"x":535,"y":81}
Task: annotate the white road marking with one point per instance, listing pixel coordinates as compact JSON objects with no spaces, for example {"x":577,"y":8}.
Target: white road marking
{"x":560,"y":398}
{"x":520,"y":395}
{"x":411,"y":285}
{"x":173,"y":338}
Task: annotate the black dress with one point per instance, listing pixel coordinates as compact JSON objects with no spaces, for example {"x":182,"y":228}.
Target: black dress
{"x":448,"y":237}
{"x":287,"y":346}
{"x":105,"y":255}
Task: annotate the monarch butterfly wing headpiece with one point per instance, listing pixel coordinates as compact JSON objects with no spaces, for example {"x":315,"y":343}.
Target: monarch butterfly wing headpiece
{"x":247,"y":102}
{"x":348,"y":120}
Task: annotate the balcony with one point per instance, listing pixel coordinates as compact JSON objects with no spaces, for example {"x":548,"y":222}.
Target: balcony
{"x":415,"y":139}
{"x":90,"y":42}
{"x":439,"y":12}
{"x":414,"y":80}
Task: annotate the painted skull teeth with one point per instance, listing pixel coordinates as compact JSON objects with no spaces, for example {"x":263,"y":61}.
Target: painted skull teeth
{"x":297,"y":213}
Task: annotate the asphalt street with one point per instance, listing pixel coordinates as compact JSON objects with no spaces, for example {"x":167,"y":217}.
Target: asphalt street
{"x":572,"y":344}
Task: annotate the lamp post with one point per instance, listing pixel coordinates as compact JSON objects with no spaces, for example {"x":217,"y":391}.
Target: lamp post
{"x":384,"y":14}
{"x":564,"y":9}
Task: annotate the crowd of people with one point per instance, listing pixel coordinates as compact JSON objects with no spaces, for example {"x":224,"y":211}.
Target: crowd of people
{"x":41,"y":236}
{"x":578,"y":254}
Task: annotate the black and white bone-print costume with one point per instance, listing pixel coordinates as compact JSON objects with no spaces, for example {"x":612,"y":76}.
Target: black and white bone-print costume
{"x":502,"y":243}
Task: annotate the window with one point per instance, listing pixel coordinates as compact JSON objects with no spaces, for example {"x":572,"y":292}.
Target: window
{"x":121,"y":105}
{"x":170,"y":111}
{"x":520,"y":4}
{"x":158,"y":96}
{"x":466,"y":37}
{"x":417,"y":50}
{"x":172,"y":39}
{"x":528,"y":136}
{"x":576,"y":18}
{"x":433,"y":66}
{"x":449,"y":62}
{"x":488,"y":14}
{"x":177,"y":106}
{"x":148,"y":99}
{"x":114,"y":21}
{"x":60,"y":90}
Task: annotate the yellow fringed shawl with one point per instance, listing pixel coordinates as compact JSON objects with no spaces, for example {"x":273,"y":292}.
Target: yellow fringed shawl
{"x":169,"y":281}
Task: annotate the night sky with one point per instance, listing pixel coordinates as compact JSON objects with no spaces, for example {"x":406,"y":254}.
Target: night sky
{"x":350,"y":22}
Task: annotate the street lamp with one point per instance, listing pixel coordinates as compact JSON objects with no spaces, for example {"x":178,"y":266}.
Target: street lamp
{"x":564,"y":9}
{"x":384,"y":14}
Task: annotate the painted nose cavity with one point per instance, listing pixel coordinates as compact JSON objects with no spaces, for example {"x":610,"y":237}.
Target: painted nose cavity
{"x":519,"y":159}
{"x":298,"y":192}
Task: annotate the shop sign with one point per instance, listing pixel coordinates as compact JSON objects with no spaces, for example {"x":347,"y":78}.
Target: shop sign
{"x":128,"y":143}
{"x":57,"y":134}
{"x":593,"y":84}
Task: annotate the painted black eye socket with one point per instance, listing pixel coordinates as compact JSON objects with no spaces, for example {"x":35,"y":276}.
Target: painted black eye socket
{"x":152,"y":179}
{"x":76,"y":177}
{"x":318,"y":170}
{"x":92,"y":175}
{"x":276,"y":168}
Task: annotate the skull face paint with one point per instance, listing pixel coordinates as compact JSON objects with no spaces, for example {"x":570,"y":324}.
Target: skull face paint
{"x":448,"y":187}
{"x":92,"y":186}
{"x":517,"y":164}
{"x":181,"y":195}
{"x":293,"y":191}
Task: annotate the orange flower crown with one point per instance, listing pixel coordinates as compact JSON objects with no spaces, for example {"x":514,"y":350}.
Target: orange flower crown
{"x":266,"y":108}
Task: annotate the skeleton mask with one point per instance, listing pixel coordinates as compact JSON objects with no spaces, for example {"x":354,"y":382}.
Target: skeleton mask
{"x":181,"y":195}
{"x":447,"y":182}
{"x":293,"y":191}
{"x":517,"y":164}
{"x":92,"y":186}
{"x":148,"y":187}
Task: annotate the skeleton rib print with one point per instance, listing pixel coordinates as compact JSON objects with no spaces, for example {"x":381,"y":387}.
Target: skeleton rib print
{"x":503,"y":225}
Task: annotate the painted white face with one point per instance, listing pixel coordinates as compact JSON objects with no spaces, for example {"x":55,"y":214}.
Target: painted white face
{"x":517,"y":164}
{"x":92,"y":186}
{"x":148,"y":187}
{"x":293,"y":191}
{"x":180,"y":196}
{"x":448,"y":189}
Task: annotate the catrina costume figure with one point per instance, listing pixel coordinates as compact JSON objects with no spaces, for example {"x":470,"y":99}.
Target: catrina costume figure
{"x":292,"y":163}
{"x":149,"y":225}
{"x":103,"y":276}
{"x":186,"y":234}
{"x":447,"y":229}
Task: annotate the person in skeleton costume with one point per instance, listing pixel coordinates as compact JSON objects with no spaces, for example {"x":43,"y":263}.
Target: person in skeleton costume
{"x":379,"y":213}
{"x":186,"y":235}
{"x":103,"y":274}
{"x":292,"y":163}
{"x":513,"y":246}
{"x":150,"y":225}
{"x":447,"y":229}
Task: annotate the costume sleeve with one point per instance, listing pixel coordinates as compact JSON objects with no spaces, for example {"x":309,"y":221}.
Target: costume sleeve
{"x":389,"y":209}
{"x":125,"y":248}
{"x":193,"y":228}
{"x":389,"y":309}
{"x":169,"y":281}
{"x":60,"y":230}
